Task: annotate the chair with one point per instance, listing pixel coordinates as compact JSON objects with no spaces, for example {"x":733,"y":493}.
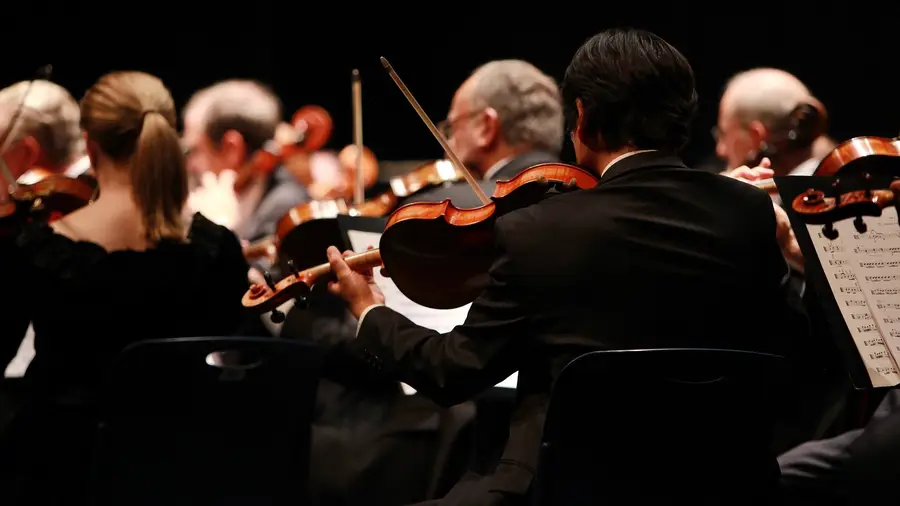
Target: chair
{"x":207,"y":420}
{"x":661,"y":426}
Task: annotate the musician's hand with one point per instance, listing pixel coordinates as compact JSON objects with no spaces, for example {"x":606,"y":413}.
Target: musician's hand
{"x":358,"y":289}
{"x":895,"y":188}
{"x":215,"y":198}
{"x":784,"y":234}
{"x":750,"y":174}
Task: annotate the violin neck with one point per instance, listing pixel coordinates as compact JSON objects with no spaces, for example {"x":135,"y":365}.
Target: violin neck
{"x":359,"y":261}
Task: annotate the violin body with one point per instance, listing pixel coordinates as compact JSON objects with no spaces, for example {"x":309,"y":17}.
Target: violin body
{"x":48,"y":199}
{"x":872,"y":154}
{"x":452,"y":248}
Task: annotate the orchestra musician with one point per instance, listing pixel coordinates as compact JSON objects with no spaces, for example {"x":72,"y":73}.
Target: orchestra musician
{"x":47,"y":135}
{"x":753,"y":104}
{"x":98,"y":280}
{"x":578,"y":271}
{"x":504,"y":118}
{"x":223,"y":126}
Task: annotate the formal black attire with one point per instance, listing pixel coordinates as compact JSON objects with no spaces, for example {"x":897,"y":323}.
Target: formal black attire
{"x":657,"y":255}
{"x":86,"y":305}
{"x":460,"y":192}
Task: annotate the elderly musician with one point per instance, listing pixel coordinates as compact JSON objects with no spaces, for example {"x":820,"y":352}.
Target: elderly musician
{"x":46,"y":135}
{"x":752,"y":115}
{"x":688,"y":235}
{"x":223,"y":126}
{"x":504,"y":118}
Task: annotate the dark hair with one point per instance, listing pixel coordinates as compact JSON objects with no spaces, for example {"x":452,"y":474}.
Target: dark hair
{"x":636,"y":89}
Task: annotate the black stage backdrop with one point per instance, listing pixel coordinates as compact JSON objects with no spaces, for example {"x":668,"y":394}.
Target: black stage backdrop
{"x":846,"y":54}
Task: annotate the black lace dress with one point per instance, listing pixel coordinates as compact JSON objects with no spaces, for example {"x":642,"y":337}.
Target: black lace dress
{"x":86,"y":305}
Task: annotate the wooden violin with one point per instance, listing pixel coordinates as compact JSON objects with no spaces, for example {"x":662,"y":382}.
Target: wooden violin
{"x":312,"y":127}
{"x":438,"y":255}
{"x":301,"y":237}
{"x":857,"y":163}
{"x":47,"y":199}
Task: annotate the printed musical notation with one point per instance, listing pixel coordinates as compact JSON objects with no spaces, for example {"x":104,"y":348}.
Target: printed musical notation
{"x":864,"y":273}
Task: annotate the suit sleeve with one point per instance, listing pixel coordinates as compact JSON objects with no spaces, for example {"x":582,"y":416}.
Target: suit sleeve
{"x":450,"y":368}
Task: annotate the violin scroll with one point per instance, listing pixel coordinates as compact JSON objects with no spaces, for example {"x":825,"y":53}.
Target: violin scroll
{"x":314,"y":126}
{"x":816,"y":207}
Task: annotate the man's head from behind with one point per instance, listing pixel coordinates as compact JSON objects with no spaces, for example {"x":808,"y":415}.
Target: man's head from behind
{"x":753,"y":103}
{"x":225,"y":123}
{"x":47,"y":133}
{"x":626,"y":90}
{"x":505,"y":108}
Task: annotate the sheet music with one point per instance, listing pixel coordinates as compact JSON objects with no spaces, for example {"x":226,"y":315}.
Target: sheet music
{"x":440,"y":320}
{"x":854,"y":264}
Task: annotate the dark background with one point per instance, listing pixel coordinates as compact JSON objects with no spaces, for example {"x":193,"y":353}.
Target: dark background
{"x":846,"y":53}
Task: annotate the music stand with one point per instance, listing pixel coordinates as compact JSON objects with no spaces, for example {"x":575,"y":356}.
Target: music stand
{"x":789,"y":187}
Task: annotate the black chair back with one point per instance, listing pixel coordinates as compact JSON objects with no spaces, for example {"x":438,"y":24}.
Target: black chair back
{"x":661,"y":426}
{"x":207,"y":421}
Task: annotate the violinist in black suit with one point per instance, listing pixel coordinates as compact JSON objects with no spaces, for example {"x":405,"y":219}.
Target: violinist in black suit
{"x":580,"y":271}
{"x":506,"y":117}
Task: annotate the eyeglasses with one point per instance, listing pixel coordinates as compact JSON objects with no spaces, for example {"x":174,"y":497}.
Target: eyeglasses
{"x":446,"y":126}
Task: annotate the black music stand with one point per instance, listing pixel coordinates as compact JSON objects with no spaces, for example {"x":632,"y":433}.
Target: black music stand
{"x":789,"y":187}
{"x":360,"y":223}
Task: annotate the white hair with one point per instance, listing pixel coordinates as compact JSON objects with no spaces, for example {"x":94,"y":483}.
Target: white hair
{"x":49,"y":114}
{"x":766,"y":95}
{"x":242,"y":105}
{"x":527,"y":102}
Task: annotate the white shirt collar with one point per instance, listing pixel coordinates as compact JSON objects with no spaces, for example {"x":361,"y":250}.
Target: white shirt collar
{"x":80,"y":166}
{"x":807,"y":168}
{"x":622,"y":157}
{"x":496,"y":168}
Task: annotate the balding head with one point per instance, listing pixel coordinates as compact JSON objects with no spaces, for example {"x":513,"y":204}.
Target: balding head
{"x":763,"y":94}
{"x":505,"y":108}
{"x":50,"y":115}
{"x":754,"y":103}
{"x":227,"y":122}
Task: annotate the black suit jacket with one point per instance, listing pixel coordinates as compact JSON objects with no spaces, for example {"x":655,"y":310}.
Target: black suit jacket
{"x":657,"y":255}
{"x":461,"y":194}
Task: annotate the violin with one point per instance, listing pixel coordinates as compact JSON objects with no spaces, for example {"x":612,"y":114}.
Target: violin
{"x":857,"y":163}
{"x":312,"y":127}
{"x":426,"y":245}
{"x":438,"y":255}
{"x":46,"y":199}
{"x":298,"y":232}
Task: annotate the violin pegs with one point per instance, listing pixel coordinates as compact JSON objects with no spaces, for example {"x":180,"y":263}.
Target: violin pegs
{"x":829,"y":231}
{"x":867,"y":181}
{"x":291,"y":267}
{"x":860,"y":225}
{"x":301,"y":302}
{"x":277,"y":316}
{"x":269,"y":281}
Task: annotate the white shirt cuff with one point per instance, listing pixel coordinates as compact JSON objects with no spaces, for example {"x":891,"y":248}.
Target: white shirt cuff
{"x":362,"y":316}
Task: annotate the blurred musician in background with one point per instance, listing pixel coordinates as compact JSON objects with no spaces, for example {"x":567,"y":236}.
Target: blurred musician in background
{"x":572,"y":268}
{"x":224,"y":125}
{"x":751,"y":112}
{"x":504,"y":118}
{"x":47,"y":135}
